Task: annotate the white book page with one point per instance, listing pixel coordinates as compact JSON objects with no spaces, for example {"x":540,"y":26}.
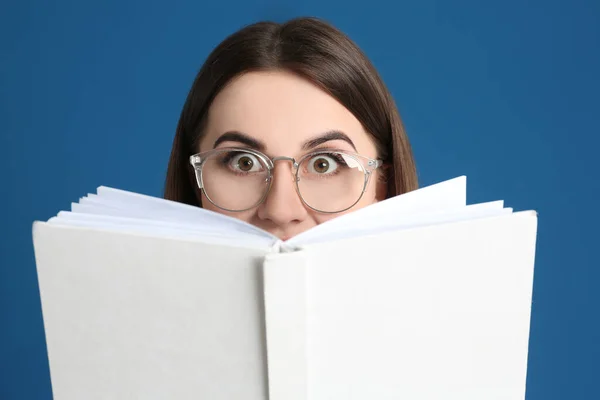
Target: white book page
{"x":400,"y":222}
{"x":439,"y":203}
{"x":204,"y":223}
{"x":163,"y":229}
{"x":441,"y":197}
{"x":120,"y":203}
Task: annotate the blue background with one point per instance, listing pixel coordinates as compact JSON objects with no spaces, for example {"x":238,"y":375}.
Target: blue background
{"x":504,"y":92}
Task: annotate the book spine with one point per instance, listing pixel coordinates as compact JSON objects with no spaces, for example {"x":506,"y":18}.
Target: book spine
{"x":282,"y":247}
{"x":285,"y":300}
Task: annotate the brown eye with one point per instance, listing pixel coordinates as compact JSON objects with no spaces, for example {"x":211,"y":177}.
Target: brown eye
{"x":245,"y":164}
{"x":321,"y":165}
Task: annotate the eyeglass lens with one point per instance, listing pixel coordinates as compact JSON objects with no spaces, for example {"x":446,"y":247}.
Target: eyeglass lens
{"x":328,"y":182}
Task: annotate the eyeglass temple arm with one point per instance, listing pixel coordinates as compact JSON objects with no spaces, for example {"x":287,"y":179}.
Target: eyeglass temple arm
{"x":374,"y":164}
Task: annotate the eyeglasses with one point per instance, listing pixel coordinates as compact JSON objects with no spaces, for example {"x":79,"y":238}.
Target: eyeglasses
{"x":239,"y":179}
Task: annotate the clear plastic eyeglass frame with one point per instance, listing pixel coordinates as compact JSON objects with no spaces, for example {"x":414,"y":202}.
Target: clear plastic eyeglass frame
{"x":368,"y":166}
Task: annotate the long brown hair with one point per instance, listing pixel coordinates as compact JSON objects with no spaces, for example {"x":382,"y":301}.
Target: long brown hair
{"x":321,"y":54}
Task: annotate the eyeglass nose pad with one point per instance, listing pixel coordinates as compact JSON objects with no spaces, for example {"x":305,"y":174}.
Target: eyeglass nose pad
{"x":295,"y":179}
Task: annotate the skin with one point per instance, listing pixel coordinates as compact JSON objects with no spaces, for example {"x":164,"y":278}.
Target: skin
{"x":283,"y":111}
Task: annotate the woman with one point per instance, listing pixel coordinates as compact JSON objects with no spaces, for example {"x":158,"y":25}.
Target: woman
{"x":286,"y":126}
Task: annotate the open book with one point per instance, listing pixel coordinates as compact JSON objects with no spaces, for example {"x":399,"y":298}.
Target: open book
{"x":420,"y":296}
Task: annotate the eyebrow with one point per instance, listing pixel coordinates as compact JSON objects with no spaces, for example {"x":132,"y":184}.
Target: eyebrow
{"x":235,"y":136}
{"x":326,"y":137}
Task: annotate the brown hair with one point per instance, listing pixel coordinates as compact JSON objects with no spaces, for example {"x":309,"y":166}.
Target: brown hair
{"x":315,"y":50}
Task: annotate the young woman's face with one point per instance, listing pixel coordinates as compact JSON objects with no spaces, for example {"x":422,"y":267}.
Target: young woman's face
{"x":283,"y":114}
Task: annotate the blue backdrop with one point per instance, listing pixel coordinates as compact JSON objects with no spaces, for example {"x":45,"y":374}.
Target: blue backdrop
{"x":504,"y":92}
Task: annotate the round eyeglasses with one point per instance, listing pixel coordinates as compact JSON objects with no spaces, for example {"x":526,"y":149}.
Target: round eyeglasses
{"x":239,"y":179}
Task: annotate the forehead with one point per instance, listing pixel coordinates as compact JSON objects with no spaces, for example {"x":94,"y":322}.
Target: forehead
{"x":282,"y":110}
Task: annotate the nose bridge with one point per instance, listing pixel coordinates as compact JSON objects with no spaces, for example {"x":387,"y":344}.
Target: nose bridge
{"x":282,"y":205}
{"x":284,"y":158}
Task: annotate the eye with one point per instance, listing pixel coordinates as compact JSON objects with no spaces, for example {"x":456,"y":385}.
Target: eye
{"x":322,"y":164}
{"x":245,"y":162}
